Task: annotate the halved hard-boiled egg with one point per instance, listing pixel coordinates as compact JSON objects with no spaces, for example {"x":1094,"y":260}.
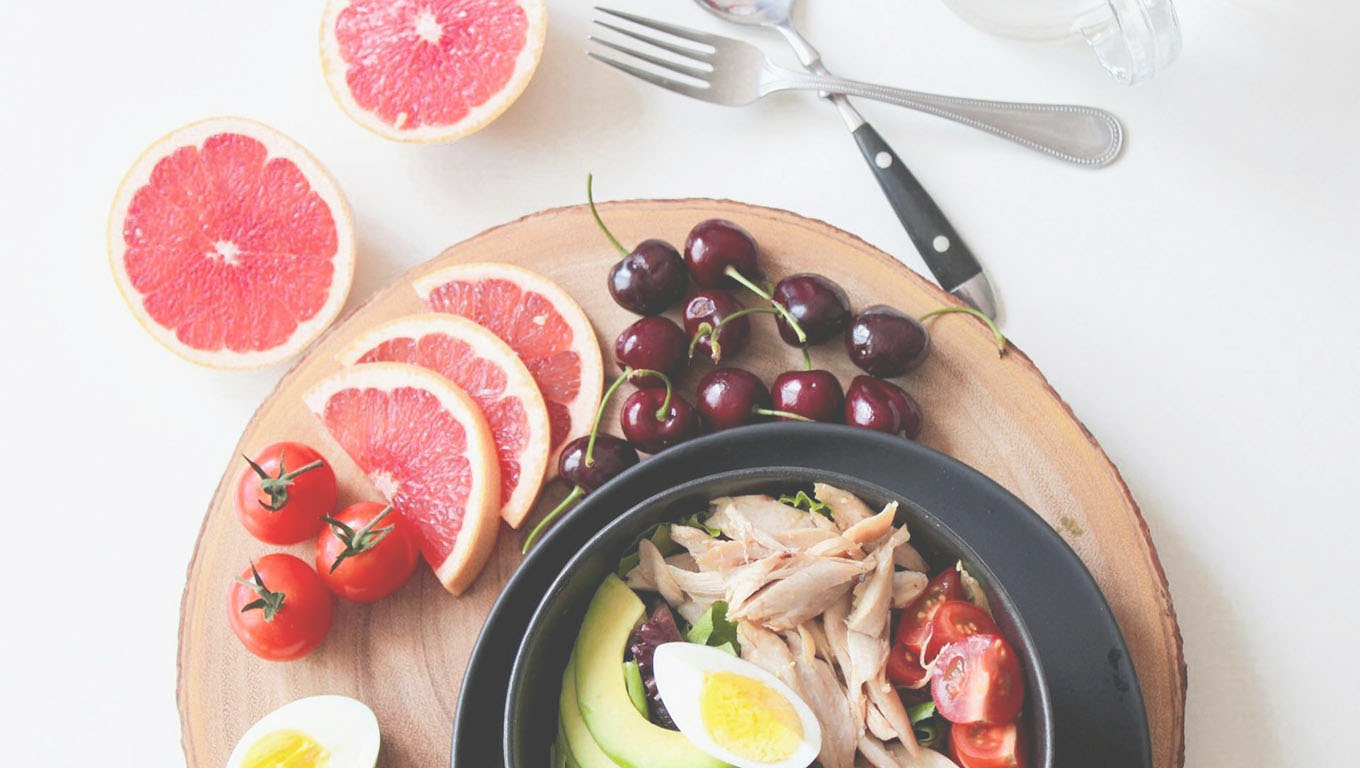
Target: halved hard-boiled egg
{"x":315,"y":732}
{"x":733,"y":709}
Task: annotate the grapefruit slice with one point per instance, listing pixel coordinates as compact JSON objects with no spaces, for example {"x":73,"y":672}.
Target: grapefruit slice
{"x":426,"y":447}
{"x":490,"y":372}
{"x":545,"y":326}
{"x":430,"y":70}
{"x":231,"y":244}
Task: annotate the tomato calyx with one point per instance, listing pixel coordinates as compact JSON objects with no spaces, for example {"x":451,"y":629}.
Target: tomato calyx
{"x":268,"y":601}
{"x":276,"y":486}
{"x":358,"y":541}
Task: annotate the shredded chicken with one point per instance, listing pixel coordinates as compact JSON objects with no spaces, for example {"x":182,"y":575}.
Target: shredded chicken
{"x":846,"y":507}
{"x":907,"y":586}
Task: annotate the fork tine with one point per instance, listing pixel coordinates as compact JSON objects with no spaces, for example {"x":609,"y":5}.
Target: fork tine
{"x":692,"y":91}
{"x":662,"y":44}
{"x":694,"y":72}
{"x":660,"y":26}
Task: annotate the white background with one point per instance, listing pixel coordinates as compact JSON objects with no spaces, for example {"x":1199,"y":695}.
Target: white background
{"x":1195,"y":303}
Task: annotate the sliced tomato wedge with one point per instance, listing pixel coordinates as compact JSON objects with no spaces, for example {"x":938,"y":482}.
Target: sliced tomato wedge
{"x":954,"y":621}
{"x":978,"y":680}
{"x":904,"y":667}
{"x":913,"y":628}
{"x":989,"y":746}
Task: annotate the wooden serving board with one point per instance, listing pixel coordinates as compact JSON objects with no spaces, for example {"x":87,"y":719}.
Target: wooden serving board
{"x":405,"y":656}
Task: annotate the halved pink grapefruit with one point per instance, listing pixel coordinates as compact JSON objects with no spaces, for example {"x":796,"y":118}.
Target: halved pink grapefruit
{"x":545,"y":326}
{"x":492,"y":374}
{"x":426,"y":447}
{"x":430,"y":70}
{"x":231,"y":244}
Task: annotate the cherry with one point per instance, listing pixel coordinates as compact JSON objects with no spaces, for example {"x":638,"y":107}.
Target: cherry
{"x":814,"y":395}
{"x":882,"y":406}
{"x":652,"y":343}
{"x":705,"y":311}
{"x":732,"y":397}
{"x":654,"y":420}
{"x":648,"y":279}
{"x":885,"y":342}
{"x":818,"y":304}
{"x":590,"y":467}
{"x":715,"y":249}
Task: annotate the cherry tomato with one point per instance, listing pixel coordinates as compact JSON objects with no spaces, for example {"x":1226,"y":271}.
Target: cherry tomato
{"x":913,"y":629}
{"x":977,"y":680}
{"x":956,"y":620}
{"x":284,"y":492}
{"x":989,"y":746}
{"x":279,"y":608}
{"x":366,"y":552}
{"x":904,"y":667}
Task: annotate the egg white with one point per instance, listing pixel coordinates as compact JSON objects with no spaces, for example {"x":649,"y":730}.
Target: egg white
{"x":680,"y":669}
{"x":347,"y":728}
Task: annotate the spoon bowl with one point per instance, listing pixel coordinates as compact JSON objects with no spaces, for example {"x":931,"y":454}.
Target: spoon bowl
{"x":756,"y":13}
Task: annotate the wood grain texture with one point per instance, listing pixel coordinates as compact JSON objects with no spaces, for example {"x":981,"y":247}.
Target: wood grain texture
{"x":405,"y":656}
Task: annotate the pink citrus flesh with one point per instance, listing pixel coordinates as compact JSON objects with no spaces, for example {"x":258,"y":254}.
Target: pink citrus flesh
{"x":490,"y":372}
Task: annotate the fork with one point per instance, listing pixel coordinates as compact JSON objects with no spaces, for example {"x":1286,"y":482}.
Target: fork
{"x":734,"y":73}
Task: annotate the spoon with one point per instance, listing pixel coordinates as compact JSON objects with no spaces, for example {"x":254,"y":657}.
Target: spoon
{"x":940,"y":246}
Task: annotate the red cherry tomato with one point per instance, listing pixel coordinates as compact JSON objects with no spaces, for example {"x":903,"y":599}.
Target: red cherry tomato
{"x":279,"y":608}
{"x":989,"y":746}
{"x":904,"y":667}
{"x":977,"y":680}
{"x":956,"y":620}
{"x":913,"y":628}
{"x":366,"y":552}
{"x":284,"y":492}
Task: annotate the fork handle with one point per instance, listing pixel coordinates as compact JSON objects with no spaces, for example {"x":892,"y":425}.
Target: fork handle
{"x":1077,"y":134}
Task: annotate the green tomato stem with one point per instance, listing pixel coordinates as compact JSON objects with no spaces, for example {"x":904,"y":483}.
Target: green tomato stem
{"x":991,"y":324}
{"x":576,"y":493}
{"x":590,"y":199}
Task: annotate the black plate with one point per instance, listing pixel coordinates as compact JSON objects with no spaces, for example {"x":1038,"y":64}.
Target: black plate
{"x":1097,"y":706}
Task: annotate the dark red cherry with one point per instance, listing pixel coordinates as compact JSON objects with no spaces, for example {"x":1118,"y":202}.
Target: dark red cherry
{"x":656,"y":343}
{"x":884,"y":342}
{"x":712,"y":307}
{"x":640,"y":424}
{"x":610,"y":457}
{"x":814,"y":395}
{"x":882,"y":406}
{"x":650,"y":279}
{"x":731,"y":397}
{"x":716,"y":244}
{"x":818,"y":304}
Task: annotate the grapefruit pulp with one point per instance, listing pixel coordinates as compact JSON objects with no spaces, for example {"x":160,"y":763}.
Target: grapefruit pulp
{"x":492,"y":374}
{"x":231,"y":244}
{"x":426,"y":447}
{"x":430,"y":70}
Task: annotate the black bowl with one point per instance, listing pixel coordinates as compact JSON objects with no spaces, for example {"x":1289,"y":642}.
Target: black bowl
{"x":531,"y":705}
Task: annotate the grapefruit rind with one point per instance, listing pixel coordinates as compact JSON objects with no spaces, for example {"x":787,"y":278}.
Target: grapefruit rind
{"x":481,"y":515}
{"x":585,"y":342}
{"x":533,"y":459}
{"x":321,"y":182}
{"x":334,"y":68}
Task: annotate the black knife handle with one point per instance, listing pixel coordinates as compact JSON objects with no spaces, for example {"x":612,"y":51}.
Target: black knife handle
{"x":934,"y":237}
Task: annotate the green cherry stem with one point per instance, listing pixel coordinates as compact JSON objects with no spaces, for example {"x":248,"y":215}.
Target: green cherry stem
{"x":628,"y":374}
{"x":991,"y":324}
{"x":780,"y":414}
{"x":590,"y":199}
{"x":710,"y":331}
{"x":576,"y":493}
{"x":733,"y":273}
{"x":807,"y":358}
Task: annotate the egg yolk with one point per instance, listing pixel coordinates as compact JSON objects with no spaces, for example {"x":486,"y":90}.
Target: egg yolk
{"x":749,"y":718}
{"x":286,"y":749}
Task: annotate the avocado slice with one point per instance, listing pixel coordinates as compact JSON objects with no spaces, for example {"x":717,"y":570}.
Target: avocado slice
{"x":580,"y":745}
{"x":627,"y":737}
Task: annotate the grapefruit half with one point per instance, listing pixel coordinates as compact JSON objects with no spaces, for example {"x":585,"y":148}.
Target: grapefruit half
{"x":545,"y":326}
{"x":426,"y":447}
{"x":231,"y":244}
{"x":492,"y":374}
{"x":430,"y":70}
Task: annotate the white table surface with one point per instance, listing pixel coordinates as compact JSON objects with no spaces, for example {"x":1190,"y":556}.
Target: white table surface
{"x":1194,"y":303}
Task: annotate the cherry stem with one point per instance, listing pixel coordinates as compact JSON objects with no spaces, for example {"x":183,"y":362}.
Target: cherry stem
{"x":996,"y":332}
{"x":780,"y":414}
{"x":807,"y":358}
{"x":590,"y":198}
{"x":735,"y":274}
{"x":576,"y":493}
{"x":627,"y":375}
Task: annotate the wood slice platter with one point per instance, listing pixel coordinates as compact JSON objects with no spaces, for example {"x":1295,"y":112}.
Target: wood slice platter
{"x":405,"y":655}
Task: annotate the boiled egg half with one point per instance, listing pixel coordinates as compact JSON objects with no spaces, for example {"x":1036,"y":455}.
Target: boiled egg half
{"x":315,"y":732}
{"x":734,"y":710}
